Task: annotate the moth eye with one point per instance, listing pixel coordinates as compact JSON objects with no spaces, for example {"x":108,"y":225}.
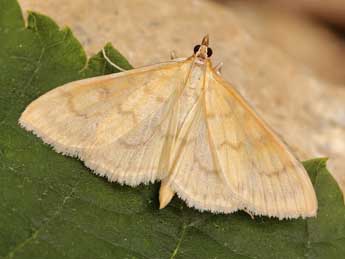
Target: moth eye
{"x":196,"y":49}
{"x":209,"y":52}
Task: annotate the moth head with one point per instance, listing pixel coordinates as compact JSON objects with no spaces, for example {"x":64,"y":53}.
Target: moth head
{"x":203,"y":51}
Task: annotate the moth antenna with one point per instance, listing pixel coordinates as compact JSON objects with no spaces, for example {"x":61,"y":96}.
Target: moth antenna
{"x":110,"y":62}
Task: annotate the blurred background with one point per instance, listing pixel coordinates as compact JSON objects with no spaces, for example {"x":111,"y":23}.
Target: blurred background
{"x":287,"y":57}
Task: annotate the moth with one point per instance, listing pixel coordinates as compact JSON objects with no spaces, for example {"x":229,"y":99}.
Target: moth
{"x":180,"y":123}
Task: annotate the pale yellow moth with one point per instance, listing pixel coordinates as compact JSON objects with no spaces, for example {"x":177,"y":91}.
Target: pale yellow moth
{"x":181,"y":123}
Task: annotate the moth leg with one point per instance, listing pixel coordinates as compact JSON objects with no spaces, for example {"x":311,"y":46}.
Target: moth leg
{"x":165,"y":193}
{"x":249,"y":213}
{"x":110,"y":62}
{"x":218,"y":68}
{"x":172,"y":55}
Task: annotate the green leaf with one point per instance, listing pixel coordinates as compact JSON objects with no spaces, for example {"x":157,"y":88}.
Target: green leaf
{"x":51,"y":206}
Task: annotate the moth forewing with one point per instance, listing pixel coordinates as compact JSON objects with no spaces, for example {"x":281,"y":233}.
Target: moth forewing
{"x":114,"y":123}
{"x":257,"y":166}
